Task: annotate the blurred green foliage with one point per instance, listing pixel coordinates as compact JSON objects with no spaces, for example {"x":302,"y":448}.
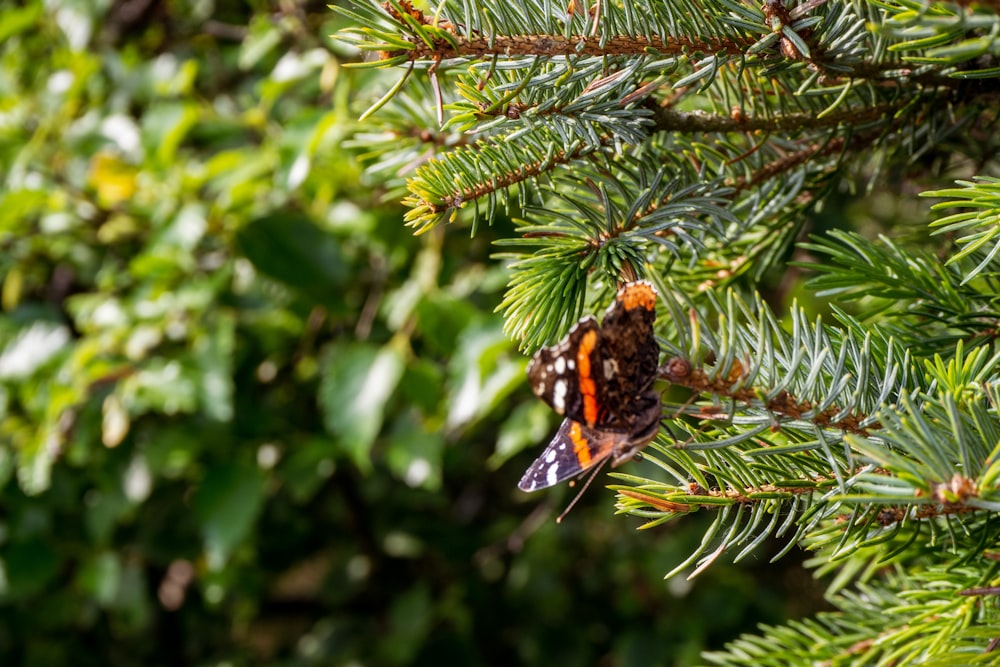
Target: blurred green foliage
{"x":245,"y":416}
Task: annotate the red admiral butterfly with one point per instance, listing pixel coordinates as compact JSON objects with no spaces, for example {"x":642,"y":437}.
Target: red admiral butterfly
{"x":600,"y":378}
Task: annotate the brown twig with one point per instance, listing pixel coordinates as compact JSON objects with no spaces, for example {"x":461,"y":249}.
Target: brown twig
{"x":513,"y":46}
{"x":679,"y":372}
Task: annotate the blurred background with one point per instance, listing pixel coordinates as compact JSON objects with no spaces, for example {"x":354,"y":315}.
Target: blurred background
{"x":246,"y":417}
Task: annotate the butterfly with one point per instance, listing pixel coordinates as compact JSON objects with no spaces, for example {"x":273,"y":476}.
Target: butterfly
{"x":600,"y":378}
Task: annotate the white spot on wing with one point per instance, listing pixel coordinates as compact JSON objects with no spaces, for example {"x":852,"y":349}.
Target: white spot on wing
{"x":560,"y":365}
{"x":550,"y":456}
{"x":559,"y":396}
{"x":552,"y":476}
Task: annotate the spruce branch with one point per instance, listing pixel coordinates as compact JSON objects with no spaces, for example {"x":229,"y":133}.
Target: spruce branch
{"x":741,"y":441}
{"x":768,"y":422}
{"x":544,"y":90}
{"x":683,"y":142}
{"x":919,"y":617}
{"x":443,"y":186}
{"x":670,"y":120}
{"x":598,"y":227}
{"x":559,"y":46}
{"x":928,"y":304}
{"x":782,"y":405}
{"x":983,"y":196}
{"x":957,"y":37}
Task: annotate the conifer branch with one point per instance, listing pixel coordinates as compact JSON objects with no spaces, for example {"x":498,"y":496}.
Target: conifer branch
{"x":429,"y":204}
{"x":689,"y":502}
{"x":560,"y":46}
{"x":685,"y":142}
{"x":890,"y":515}
{"x":669,"y":120}
{"x":783,"y":404}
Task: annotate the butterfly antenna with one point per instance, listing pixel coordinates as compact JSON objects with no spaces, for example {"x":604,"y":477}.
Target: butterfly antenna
{"x":579,"y":493}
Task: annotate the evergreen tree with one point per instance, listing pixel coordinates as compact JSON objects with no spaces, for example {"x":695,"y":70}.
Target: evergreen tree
{"x":695,"y":144}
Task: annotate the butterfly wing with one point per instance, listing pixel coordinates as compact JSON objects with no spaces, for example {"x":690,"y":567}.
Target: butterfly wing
{"x":568,"y":375}
{"x":631,"y":354}
{"x":575,"y":449}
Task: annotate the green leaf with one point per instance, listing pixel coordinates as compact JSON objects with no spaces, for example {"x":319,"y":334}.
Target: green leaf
{"x":101,"y":577}
{"x":483,"y":371}
{"x":31,"y":348}
{"x":214,"y":354}
{"x":7,"y":462}
{"x":442,"y":318}
{"x":308,"y":464}
{"x":18,"y":208}
{"x":165,"y":126}
{"x":357,"y":381}
{"x":102,"y":512}
{"x":237,"y":176}
{"x":422,"y":385}
{"x":162,"y":386}
{"x":28,"y":568}
{"x":292,"y":249}
{"x":414,"y":454}
{"x":15,"y":20}
{"x":262,"y":37}
{"x":34,"y":469}
{"x":133,"y":603}
{"x":529,"y":424}
{"x":226,"y":506}
{"x":409,"y":623}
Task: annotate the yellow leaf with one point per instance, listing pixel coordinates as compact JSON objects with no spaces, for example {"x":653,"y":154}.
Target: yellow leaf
{"x":113,"y":179}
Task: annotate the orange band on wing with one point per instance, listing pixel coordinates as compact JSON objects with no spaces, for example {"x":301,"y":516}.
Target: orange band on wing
{"x":587,"y":387}
{"x":580,"y":445}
